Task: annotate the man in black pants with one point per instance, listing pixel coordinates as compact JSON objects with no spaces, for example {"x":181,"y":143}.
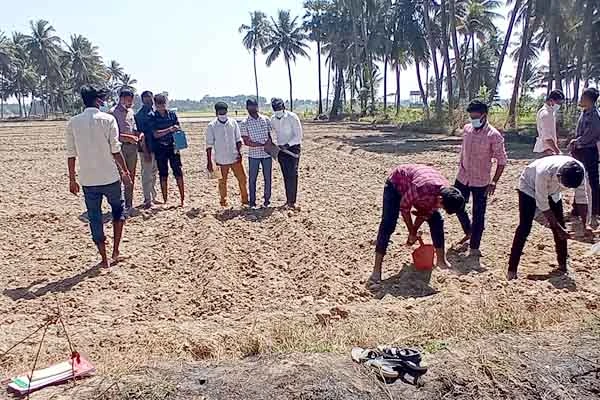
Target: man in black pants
{"x":540,"y":187}
{"x":288,"y":133}
{"x":585,"y":146}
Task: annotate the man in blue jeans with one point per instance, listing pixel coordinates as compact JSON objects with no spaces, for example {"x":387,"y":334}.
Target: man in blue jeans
{"x":93,"y":137}
{"x":256,"y":131}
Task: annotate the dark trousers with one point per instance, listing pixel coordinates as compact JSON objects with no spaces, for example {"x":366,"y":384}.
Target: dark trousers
{"x":165,"y":156}
{"x":93,"y":196}
{"x":389,"y":219}
{"x":289,"y":169}
{"x":527,"y":209}
{"x":479,"y":207}
{"x":589,"y":157}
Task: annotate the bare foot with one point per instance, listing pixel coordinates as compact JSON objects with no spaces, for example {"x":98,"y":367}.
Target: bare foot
{"x":374,"y":279}
{"x":511,"y":275}
{"x":443,"y":263}
{"x":475,"y":253}
{"x":464,"y":240}
{"x":104,"y":264}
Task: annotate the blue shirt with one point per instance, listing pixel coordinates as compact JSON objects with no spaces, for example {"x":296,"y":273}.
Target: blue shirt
{"x":160,"y":122}
{"x":143,"y":121}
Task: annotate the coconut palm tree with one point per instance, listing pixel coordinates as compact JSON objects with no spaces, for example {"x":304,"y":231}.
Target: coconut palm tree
{"x":6,"y":57}
{"x":45,"y":49}
{"x":255,"y":38}
{"x":287,"y":39}
{"x":85,"y":62}
{"x":127,"y":81}
{"x":115,"y":71}
{"x":25,"y":79}
{"x":313,"y":24}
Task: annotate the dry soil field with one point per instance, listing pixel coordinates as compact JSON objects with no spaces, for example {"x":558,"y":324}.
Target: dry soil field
{"x":208,"y":287}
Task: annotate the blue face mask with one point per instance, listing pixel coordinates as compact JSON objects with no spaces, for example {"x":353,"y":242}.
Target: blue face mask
{"x":477,"y":123}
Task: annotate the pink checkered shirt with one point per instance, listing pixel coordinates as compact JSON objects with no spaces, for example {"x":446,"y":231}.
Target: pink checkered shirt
{"x":479,"y":148}
{"x":419,"y":186}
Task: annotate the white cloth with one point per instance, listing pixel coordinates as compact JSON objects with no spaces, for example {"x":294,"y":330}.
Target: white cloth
{"x":288,"y":129}
{"x":546,"y":128}
{"x":93,"y":137}
{"x":540,"y":181}
{"x":223,"y":139}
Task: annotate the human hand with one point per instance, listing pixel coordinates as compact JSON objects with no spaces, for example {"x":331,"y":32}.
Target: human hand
{"x":209,"y":167}
{"x":491,"y":189}
{"x":412,"y":239}
{"x":562,"y":233}
{"x":126,"y":178}
{"x":73,"y":187}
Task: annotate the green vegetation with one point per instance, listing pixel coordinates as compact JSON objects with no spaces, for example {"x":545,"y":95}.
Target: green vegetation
{"x":48,"y":71}
{"x":455,"y":46}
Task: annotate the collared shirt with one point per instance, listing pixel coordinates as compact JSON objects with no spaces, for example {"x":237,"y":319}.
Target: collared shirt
{"x":223,"y":139}
{"x":160,"y":122}
{"x":257,"y":130}
{"x":588,"y":129}
{"x":419,"y":187}
{"x":540,"y":181}
{"x":125,"y":119}
{"x":288,"y":129}
{"x":479,"y":148}
{"x":546,"y":129}
{"x":93,"y":137}
{"x":143,"y":121}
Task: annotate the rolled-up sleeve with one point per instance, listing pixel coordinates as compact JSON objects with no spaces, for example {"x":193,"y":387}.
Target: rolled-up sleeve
{"x":210,"y":137}
{"x":542,"y":192}
{"x":70,"y":141}
{"x":113,"y":136}
{"x":583,"y":194}
{"x":499,"y":150}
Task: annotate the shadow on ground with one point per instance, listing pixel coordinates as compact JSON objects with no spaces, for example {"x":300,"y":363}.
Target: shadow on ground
{"x":63,"y":285}
{"x":249,"y":214}
{"x":409,"y":282}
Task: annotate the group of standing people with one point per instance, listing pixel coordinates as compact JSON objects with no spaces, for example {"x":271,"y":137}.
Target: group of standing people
{"x":108,"y":146}
{"x":421,"y":191}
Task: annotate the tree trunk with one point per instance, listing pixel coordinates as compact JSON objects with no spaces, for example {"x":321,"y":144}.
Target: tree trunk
{"x":511,"y":25}
{"x":397,"y":89}
{"x":328,"y":82}
{"x":385,"y":67}
{"x":445,"y":49}
{"x":512,"y":110}
{"x":460,"y":72}
{"x":553,"y":44}
{"x":320,"y":89}
{"x":336,"y":106}
{"x":19,"y":100}
{"x":422,"y":90}
{"x":436,"y":69}
{"x":582,"y":44}
{"x":289,"y":68}
{"x":256,"y":76}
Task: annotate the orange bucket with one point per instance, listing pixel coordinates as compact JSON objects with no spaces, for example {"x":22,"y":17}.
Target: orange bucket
{"x":424,"y":256}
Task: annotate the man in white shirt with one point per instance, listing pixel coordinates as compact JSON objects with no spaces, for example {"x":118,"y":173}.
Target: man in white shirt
{"x":288,"y":133}
{"x":223,"y":137}
{"x":93,"y":137}
{"x":540,"y":187}
{"x":547,"y":140}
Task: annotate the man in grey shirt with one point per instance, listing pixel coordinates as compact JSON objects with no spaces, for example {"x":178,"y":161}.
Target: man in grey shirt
{"x":585,"y":146}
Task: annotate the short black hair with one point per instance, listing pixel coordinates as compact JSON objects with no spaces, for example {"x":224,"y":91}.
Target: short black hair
{"x":478,"y":106}
{"x":91,"y":93}
{"x":160,"y":99}
{"x":592,"y":94}
{"x":146,"y":93}
{"x":572,"y":174}
{"x":221,"y":105}
{"x":277,"y":103}
{"x":251,"y":102}
{"x":452,"y":199}
{"x":125,"y":92}
{"x":556,"y":95}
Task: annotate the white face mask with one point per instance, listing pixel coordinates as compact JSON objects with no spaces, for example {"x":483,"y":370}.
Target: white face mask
{"x":477,"y":123}
{"x":556,"y":107}
{"x":222,"y":118}
{"x":103,"y":107}
{"x":279,"y":114}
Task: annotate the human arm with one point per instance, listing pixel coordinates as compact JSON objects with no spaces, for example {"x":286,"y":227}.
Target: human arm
{"x":588,"y":130}
{"x":499,"y":153}
{"x":547,"y":126}
{"x":210,"y":142}
{"x":71,"y":157}
{"x":238,"y":140}
{"x":583,"y":196}
{"x":543,"y":180}
{"x":297,"y":128}
{"x":115,"y":149}
{"x":209,"y":163}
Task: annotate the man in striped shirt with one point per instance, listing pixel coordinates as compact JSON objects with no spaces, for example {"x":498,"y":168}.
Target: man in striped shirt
{"x":256,"y":131}
{"x":427,"y":191}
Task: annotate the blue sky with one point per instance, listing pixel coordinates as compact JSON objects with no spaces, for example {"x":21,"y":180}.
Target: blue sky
{"x":189,"y":48}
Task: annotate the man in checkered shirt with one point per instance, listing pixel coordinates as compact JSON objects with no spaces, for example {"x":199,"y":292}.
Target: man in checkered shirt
{"x":256,"y":131}
{"x":425,"y":190}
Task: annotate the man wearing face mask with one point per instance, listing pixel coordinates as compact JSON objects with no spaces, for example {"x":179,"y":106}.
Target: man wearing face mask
{"x":288,"y":131}
{"x":482,"y":143}
{"x":547,"y":140}
{"x":224,"y":142}
{"x":256,"y":131}
{"x":585,"y":146}
{"x":129,"y":137}
{"x":93,"y":138}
